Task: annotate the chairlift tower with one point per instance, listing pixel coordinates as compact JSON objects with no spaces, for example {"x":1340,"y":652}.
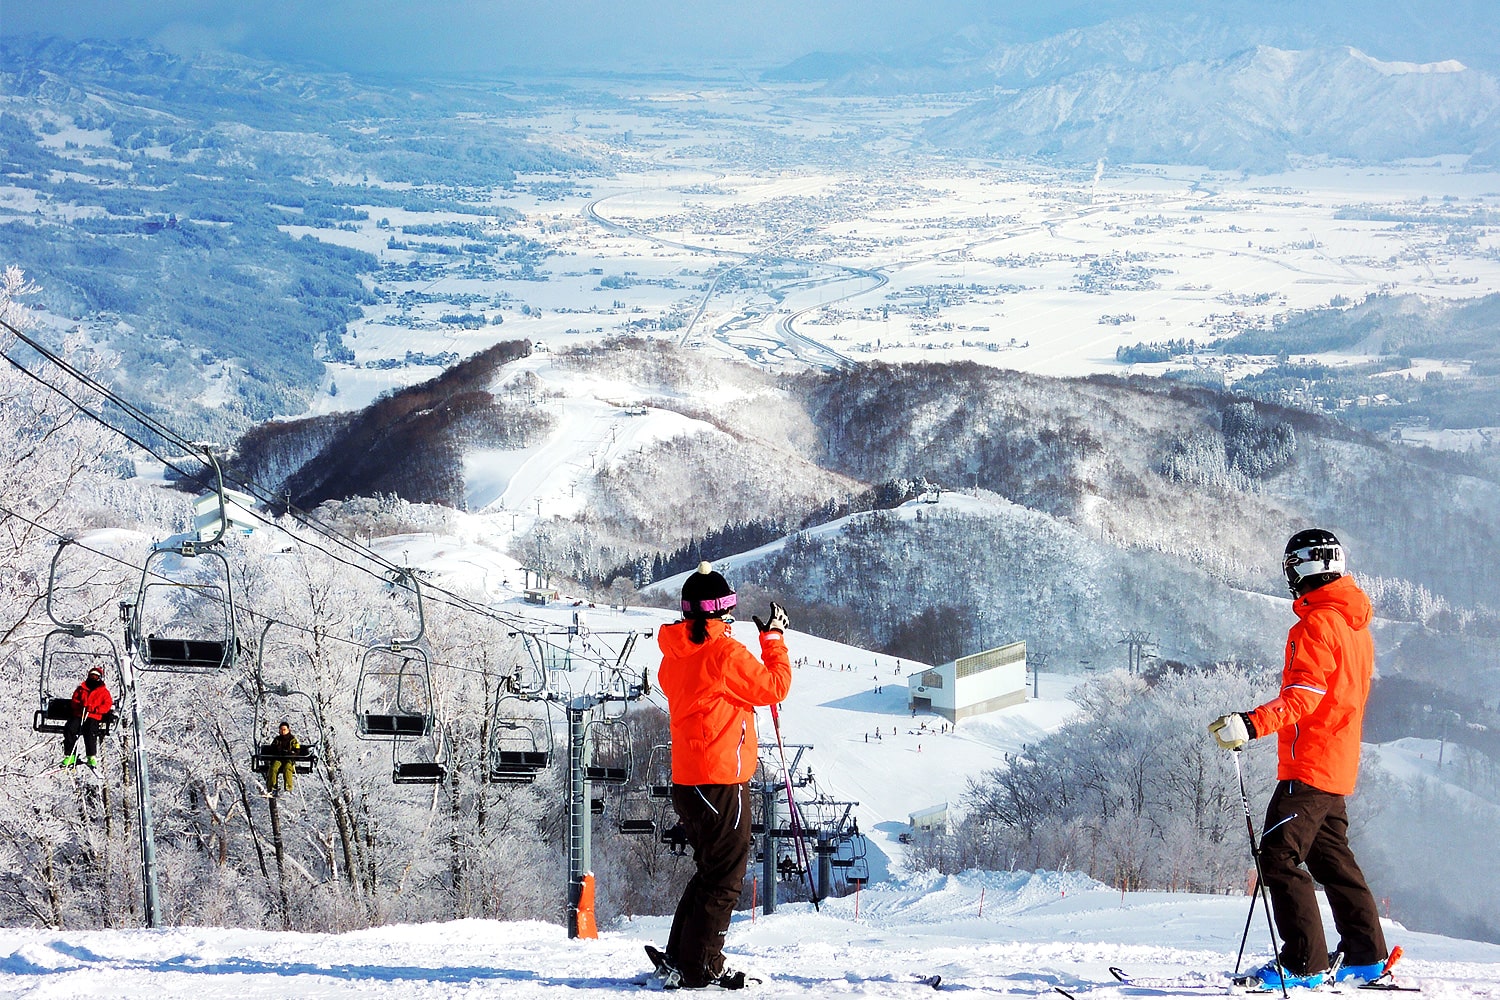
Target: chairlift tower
{"x":771,"y":787}
{"x":599,"y":748}
{"x":828,"y":823}
{"x":198,"y":655}
{"x":1139,"y":643}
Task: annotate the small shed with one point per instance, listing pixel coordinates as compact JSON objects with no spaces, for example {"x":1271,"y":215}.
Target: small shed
{"x":541,"y":595}
{"x":931,"y":818}
{"x":971,"y":685}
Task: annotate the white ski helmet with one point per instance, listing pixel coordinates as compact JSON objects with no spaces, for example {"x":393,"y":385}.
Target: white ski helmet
{"x":1314,"y":556}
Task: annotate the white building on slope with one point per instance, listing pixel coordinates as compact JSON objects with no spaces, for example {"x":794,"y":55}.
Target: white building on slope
{"x":971,"y":685}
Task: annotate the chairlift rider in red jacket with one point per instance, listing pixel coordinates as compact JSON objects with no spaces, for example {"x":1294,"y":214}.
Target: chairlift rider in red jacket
{"x":92,"y":702}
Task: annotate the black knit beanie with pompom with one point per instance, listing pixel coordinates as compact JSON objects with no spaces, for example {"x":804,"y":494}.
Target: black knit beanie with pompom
{"x":706,"y":594}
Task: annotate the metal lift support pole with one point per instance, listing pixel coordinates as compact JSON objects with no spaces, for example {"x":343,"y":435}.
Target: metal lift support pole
{"x":768,"y":846}
{"x":151,"y":901}
{"x":580,"y":819}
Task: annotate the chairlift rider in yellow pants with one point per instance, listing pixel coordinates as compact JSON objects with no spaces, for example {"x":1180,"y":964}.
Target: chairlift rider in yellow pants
{"x":284,"y":750}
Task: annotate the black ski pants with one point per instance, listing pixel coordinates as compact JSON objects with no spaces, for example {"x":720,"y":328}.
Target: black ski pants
{"x":1305,"y":826}
{"x":90,"y":730}
{"x":716,"y":819}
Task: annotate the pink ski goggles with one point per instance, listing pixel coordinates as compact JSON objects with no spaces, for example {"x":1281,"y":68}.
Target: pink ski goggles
{"x":714,"y":606}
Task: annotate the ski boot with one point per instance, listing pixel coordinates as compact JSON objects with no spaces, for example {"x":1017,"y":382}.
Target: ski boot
{"x":93,"y":763}
{"x":1273,"y":976}
{"x":69,"y":760}
{"x":1363,"y":974}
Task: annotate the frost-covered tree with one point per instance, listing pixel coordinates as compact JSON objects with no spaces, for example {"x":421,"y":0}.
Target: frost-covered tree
{"x":1131,"y":791}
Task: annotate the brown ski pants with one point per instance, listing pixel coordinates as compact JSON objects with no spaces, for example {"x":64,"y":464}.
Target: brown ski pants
{"x":1305,"y":826}
{"x":716,"y":819}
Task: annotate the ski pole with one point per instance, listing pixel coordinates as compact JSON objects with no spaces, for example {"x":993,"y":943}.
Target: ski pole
{"x":1254,"y":898}
{"x":791,"y":805}
{"x":1260,"y":882}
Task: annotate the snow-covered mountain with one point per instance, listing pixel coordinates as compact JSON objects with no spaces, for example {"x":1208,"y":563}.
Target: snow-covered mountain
{"x":983,"y":56}
{"x":1252,"y":111}
{"x":1098,"y":491}
{"x":1235,"y":92}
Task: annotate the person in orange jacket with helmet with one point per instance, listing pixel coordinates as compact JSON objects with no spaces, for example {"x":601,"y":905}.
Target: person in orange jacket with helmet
{"x":713,"y":685}
{"x":1317,"y":718}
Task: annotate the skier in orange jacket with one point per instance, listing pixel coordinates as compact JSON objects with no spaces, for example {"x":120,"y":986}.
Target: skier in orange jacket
{"x":1317,"y":718}
{"x":713,"y":685}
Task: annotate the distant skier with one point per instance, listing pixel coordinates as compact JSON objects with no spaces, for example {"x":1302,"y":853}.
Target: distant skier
{"x":284,"y":750}
{"x":92,"y":703}
{"x":713,"y":685}
{"x":1317,"y":717}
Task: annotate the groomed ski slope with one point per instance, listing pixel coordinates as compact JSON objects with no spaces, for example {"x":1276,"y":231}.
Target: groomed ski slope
{"x":1037,"y":931}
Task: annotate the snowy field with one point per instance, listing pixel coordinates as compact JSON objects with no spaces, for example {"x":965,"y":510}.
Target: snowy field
{"x":1009,"y":934}
{"x":910,"y":257}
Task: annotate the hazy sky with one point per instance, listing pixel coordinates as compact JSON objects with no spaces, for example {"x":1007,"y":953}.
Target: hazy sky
{"x":464,"y":36}
{"x":469,"y":35}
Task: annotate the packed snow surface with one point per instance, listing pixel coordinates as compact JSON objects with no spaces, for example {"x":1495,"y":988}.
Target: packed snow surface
{"x":1000,"y":933}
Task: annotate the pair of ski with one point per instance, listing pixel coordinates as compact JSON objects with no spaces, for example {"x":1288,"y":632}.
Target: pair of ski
{"x":659,"y":961}
{"x":1253,"y":985}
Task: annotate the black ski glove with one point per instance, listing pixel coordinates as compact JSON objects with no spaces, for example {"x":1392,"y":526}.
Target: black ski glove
{"x":775,"y":622}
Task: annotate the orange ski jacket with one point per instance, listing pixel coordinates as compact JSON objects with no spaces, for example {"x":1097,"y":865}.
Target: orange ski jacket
{"x":712,"y":691}
{"x":1319,"y":714}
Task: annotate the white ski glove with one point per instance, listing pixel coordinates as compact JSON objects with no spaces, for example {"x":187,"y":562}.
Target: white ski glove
{"x":1232,"y":731}
{"x":775,"y":621}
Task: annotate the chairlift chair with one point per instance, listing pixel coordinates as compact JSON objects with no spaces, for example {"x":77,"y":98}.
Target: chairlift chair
{"x":659,"y":771}
{"x":637,"y":814}
{"x":297,"y":708}
{"x":393,"y":697}
{"x":68,"y":655}
{"x":426,"y":768}
{"x":610,"y":754}
{"x":182,"y":621}
{"x":547,"y":657}
{"x":520,"y":741}
{"x":69,"y":652}
{"x":675,"y":839}
{"x":529,"y":678}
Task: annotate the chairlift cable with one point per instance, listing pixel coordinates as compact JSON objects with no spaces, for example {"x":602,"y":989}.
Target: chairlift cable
{"x":456,"y":601}
{"x":249,"y":611}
